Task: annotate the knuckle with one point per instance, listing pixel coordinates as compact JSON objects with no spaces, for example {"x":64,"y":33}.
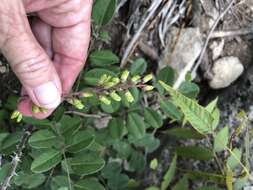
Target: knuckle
{"x":32,"y":68}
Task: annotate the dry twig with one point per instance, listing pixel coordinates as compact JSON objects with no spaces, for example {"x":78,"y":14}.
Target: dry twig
{"x":239,"y":32}
{"x":150,"y":13}
{"x":84,"y":114}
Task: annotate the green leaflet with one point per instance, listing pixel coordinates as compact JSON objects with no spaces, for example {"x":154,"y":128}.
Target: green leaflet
{"x":153,"y":118}
{"x":29,"y":181}
{"x":234,"y":159}
{"x":182,"y":184}
{"x":196,"y":115}
{"x":86,"y":164}
{"x":103,"y":11}
{"x":9,"y":143}
{"x":185,"y":133}
{"x":116,"y":128}
{"x":212,"y":109}
{"x":58,"y":182}
{"x":221,"y":139}
{"x":138,"y":67}
{"x":229,"y":179}
{"x":5,"y":171}
{"x":88,"y":184}
{"x":169,"y":174}
{"x":79,"y":141}
{"x":135,"y":125}
{"x":194,"y":152}
{"x":103,"y":58}
{"x":47,"y":160}
{"x":42,"y":139}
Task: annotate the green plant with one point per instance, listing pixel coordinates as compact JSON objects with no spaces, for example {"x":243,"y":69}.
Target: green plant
{"x":103,"y":139}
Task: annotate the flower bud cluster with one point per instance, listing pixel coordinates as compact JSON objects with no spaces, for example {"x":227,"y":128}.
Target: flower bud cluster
{"x":108,"y":88}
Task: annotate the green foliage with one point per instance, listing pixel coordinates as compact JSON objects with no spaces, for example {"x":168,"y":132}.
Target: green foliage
{"x":234,"y":159}
{"x":10,"y":142}
{"x":116,"y":128}
{"x":47,"y":160}
{"x":80,"y":141}
{"x":135,"y":125}
{"x":196,"y":115}
{"x":138,"y":67}
{"x":169,"y":175}
{"x":29,"y":181}
{"x":103,"y":11}
{"x":42,"y":139}
{"x":189,"y":89}
{"x":184,"y":133}
{"x":171,"y":110}
{"x":86,"y":164}
{"x":115,"y":119}
{"x":221,"y":140}
{"x":153,"y":118}
{"x":88,"y":184}
{"x":194,"y":152}
{"x":154,"y":164}
{"x":103,"y":58}
{"x":182,"y":184}
{"x":92,"y":77}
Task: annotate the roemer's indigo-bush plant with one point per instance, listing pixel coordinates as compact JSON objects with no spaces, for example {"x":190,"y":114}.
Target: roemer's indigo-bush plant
{"x":102,"y":134}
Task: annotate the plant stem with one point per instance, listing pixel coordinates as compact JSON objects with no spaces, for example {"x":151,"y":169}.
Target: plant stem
{"x":67,"y":168}
{"x":83,"y":114}
{"x":15,"y":160}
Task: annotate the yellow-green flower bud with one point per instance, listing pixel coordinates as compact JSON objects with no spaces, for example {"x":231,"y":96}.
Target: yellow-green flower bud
{"x":77,"y":103}
{"x":115,"y":96}
{"x":44,"y":110}
{"x":35,"y":109}
{"x":115,"y":80}
{"x":103,"y":79}
{"x":147,"y":78}
{"x":124,"y":76}
{"x":19,"y":118}
{"x":154,"y":164}
{"x":129,"y":96}
{"x":15,"y":114}
{"x":135,"y":79}
{"x":105,"y":100}
{"x":148,"y":88}
{"x":109,"y":85}
{"x":87,"y":94}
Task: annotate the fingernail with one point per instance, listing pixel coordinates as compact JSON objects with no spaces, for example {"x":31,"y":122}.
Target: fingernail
{"x":47,"y":95}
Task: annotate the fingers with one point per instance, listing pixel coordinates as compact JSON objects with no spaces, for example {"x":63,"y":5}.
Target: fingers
{"x":32,"y":66}
{"x":42,"y":33}
{"x":70,"y":46}
{"x":68,"y":13}
{"x":37,"y":5}
{"x":70,"y":39}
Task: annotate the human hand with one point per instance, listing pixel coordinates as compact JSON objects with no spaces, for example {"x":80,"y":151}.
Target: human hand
{"x":48,"y":56}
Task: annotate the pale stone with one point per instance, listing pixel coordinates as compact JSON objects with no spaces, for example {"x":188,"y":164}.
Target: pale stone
{"x":225,"y":71}
{"x":217,"y":48}
{"x":182,"y":50}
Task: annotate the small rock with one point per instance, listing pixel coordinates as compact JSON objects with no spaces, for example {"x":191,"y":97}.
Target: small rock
{"x":217,"y":48}
{"x":101,"y":123}
{"x":182,"y":50}
{"x":3,"y":69}
{"x":225,"y":71}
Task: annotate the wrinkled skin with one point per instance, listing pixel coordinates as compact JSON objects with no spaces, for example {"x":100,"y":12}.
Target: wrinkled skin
{"x":53,"y":50}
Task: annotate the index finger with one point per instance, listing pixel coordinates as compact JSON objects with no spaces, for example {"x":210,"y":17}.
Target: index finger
{"x":70,"y":38}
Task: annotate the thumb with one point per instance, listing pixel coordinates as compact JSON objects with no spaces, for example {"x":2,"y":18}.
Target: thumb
{"x":32,"y":66}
